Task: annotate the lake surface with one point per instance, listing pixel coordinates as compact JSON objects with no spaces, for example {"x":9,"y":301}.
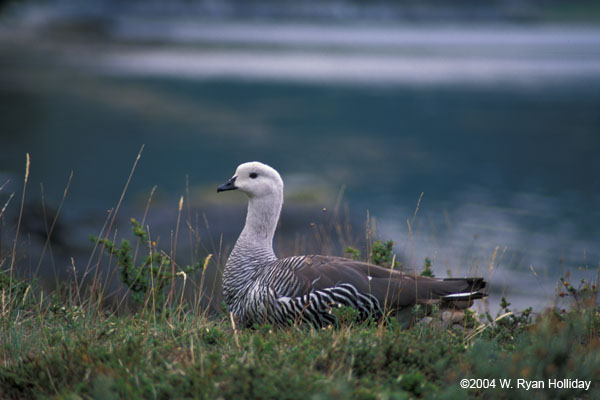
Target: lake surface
{"x":497,"y":128}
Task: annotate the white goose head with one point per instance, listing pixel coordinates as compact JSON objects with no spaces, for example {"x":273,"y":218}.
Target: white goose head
{"x":256,"y":179}
{"x":264,"y":188}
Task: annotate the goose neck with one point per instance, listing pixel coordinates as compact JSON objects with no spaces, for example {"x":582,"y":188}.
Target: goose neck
{"x":261,"y":220}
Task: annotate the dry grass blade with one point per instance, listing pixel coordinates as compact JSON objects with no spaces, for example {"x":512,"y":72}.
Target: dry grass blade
{"x":53,"y":225}
{"x":14,"y":250}
{"x":173,"y":253}
{"x":235,"y":332}
{"x":485,"y":326}
{"x":6,"y":204}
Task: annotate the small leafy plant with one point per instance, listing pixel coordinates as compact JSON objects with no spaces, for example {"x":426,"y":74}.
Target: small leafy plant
{"x":346,"y":315}
{"x":508,"y":324}
{"x":381,"y":254}
{"x":353,"y":252}
{"x":153,"y":274}
{"x":427,"y":268}
{"x":585,"y":295}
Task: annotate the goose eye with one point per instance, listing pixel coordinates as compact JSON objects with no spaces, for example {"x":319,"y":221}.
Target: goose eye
{"x":253,"y":175}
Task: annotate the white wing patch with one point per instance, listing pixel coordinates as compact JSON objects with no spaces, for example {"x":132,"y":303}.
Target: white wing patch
{"x":450,"y":296}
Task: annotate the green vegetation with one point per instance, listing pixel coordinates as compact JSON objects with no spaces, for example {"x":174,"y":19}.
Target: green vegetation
{"x":427,"y":271}
{"x":53,"y":346}
{"x":74,"y":352}
{"x":381,"y":254}
{"x":148,"y":280}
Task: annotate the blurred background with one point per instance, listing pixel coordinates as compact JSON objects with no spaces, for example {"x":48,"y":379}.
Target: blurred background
{"x":468,"y":132}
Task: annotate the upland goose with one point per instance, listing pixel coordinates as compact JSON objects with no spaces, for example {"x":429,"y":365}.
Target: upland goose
{"x":260,"y":288}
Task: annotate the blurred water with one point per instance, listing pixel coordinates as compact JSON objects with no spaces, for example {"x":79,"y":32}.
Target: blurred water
{"x":368,"y":54}
{"x":498,"y":127}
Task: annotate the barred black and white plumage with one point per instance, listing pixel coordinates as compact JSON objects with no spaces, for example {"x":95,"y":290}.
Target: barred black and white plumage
{"x":260,"y":288}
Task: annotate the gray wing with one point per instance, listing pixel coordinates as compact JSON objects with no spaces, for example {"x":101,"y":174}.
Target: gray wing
{"x":392,"y":288}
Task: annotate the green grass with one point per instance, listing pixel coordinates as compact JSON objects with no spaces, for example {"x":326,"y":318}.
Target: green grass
{"x":51,"y":349}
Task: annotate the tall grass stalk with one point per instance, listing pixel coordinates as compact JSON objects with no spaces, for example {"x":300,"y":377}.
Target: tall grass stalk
{"x":16,"y":240}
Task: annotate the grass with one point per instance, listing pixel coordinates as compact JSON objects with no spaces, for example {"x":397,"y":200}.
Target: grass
{"x":50,"y":349}
{"x":68,"y":345}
